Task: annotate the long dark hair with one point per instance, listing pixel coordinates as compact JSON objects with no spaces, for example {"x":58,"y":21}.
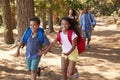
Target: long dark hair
{"x":74,"y":25}
{"x":74,"y":12}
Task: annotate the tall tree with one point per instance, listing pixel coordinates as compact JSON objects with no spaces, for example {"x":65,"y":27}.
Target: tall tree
{"x":13,"y":13}
{"x":25,"y":10}
{"x":6,"y":17}
{"x":50,"y":17}
{"x":44,"y":20}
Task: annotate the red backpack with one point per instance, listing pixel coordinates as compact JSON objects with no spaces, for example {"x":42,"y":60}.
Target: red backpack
{"x":80,"y":41}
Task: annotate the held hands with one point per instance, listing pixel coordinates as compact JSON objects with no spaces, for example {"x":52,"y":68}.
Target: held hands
{"x":42,"y":52}
{"x":66,"y":54}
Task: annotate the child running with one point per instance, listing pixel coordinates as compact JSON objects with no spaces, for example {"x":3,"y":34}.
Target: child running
{"x":33,"y":46}
{"x":69,"y":54}
{"x":87,"y":23}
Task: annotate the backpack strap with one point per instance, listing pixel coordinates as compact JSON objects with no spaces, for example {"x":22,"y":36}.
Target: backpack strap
{"x":28,"y":32}
{"x":90,"y":15}
{"x":58,"y":37}
{"x":40,"y":34}
{"x":26,"y":35}
{"x":70,"y":35}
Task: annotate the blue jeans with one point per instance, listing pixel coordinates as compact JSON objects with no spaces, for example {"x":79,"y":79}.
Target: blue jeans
{"x":32,"y":64}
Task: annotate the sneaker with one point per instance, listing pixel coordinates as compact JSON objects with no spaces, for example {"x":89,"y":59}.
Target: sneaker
{"x":76,"y":76}
{"x":88,"y":45}
{"x":38,"y":71}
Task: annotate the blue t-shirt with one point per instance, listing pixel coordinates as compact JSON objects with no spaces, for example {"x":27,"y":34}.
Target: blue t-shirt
{"x":87,"y":21}
{"x":33,"y":46}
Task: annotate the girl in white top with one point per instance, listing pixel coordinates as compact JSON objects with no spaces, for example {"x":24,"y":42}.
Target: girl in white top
{"x":69,"y":53}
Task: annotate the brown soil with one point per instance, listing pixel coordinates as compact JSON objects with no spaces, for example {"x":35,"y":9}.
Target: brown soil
{"x":100,"y":62}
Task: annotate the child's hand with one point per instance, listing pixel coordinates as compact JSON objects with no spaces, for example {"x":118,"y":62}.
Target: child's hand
{"x":17,"y":54}
{"x":66,"y":54}
{"x":40,"y":52}
{"x":93,"y":27}
{"x":43,"y":52}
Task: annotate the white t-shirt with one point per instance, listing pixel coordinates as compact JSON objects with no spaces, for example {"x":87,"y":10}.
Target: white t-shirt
{"x":66,"y":45}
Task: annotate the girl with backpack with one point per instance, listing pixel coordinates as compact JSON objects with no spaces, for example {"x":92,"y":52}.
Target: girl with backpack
{"x":69,"y":54}
{"x":34,"y":39}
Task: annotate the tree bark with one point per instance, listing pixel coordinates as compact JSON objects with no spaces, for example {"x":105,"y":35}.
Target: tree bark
{"x":44,"y":20}
{"x":13,"y":13}
{"x":101,"y":5}
{"x":119,"y":11}
{"x":50,"y":21}
{"x":6,"y":17}
{"x":25,"y":10}
{"x":50,"y":18}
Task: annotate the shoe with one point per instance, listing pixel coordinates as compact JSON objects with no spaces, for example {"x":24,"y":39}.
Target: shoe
{"x":38,"y":71}
{"x":88,"y":45}
{"x":76,"y":76}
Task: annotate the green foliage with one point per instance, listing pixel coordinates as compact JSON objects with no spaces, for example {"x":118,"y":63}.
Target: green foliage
{"x":102,"y":7}
{"x":40,"y":6}
{"x":59,"y":7}
{"x":73,"y":4}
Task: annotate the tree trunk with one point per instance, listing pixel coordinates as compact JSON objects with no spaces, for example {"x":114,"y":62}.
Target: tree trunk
{"x":50,"y":18}
{"x":101,"y":7}
{"x":44,"y":20}
{"x":6,"y":17}
{"x":54,"y":19}
{"x":50,"y":21}
{"x":119,"y":11}
{"x":13,"y":13}
{"x":25,"y":10}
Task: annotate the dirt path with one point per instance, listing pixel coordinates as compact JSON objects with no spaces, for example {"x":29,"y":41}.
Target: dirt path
{"x":100,"y":62}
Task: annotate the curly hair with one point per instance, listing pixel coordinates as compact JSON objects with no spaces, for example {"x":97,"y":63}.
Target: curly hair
{"x":74,"y":25}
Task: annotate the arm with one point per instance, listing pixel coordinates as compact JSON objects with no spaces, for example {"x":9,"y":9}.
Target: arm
{"x":46,"y":42}
{"x":93,"y":20}
{"x":21,"y":45}
{"x":74,"y":43}
{"x":48,"y":47}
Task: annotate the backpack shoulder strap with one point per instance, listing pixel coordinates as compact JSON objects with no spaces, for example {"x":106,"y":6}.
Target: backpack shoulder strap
{"x":58,"y":36}
{"x":70,"y":35}
{"x":28,"y":32}
{"x":90,"y":16}
{"x":26,"y":35}
{"x":41,"y":36}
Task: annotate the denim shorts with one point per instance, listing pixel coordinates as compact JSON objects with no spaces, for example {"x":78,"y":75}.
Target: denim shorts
{"x":86,"y":34}
{"x":32,"y":64}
